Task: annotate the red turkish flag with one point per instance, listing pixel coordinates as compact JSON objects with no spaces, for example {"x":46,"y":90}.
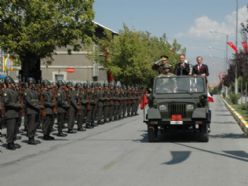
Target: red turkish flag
{"x":210,"y":98}
{"x":233,"y":46}
{"x":245,"y":47}
{"x":143,"y":102}
{"x":110,"y":76}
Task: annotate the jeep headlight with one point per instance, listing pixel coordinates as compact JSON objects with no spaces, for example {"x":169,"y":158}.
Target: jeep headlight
{"x":163,"y":108}
{"x":189,"y":107}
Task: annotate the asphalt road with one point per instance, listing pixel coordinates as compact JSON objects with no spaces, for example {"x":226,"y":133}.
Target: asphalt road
{"x":118,"y":154}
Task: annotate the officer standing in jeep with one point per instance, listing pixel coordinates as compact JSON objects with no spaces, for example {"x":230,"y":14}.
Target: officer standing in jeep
{"x":165,"y":70}
{"x":162,"y":61}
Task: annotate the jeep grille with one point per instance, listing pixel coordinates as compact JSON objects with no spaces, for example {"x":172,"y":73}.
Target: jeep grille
{"x":177,"y":109}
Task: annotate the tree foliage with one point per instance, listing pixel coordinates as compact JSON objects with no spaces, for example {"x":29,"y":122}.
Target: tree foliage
{"x":37,"y":27}
{"x":130,"y":55}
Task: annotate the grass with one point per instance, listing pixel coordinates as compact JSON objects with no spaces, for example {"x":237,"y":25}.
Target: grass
{"x":242,"y":110}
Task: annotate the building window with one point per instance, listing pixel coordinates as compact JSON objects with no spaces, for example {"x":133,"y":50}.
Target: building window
{"x":57,"y":76}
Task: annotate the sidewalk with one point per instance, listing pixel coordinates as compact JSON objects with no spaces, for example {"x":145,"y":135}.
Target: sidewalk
{"x":241,"y":121}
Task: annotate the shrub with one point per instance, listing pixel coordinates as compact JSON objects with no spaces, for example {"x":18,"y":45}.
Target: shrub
{"x":234,"y":98}
{"x":244,"y":106}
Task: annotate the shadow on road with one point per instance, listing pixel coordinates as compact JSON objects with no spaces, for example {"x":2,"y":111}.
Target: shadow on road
{"x":223,"y":123}
{"x":237,"y":155}
{"x":219,"y":110}
{"x":228,"y":135}
{"x":223,"y":115}
{"x":178,"y":157}
{"x":170,"y":138}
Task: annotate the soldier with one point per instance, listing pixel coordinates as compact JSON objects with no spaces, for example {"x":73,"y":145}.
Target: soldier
{"x":105,"y":103}
{"x":49,"y":104}
{"x":165,"y":70}
{"x":73,"y":106}
{"x":110,"y":102}
{"x":100,"y":104}
{"x":20,"y":88}
{"x":162,"y":61}
{"x":137,"y":95}
{"x":2,"y":110}
{"x":12,"y":108}
{"x":91,"y":107}
{"x":129,"y":101}
{"x":62,"y":107}
{"x":81,"y":100}
{"x":33,"y":108}
{"x":125,"y":101}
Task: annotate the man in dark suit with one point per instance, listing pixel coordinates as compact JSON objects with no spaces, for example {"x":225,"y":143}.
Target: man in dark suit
{"x":200,"y":69}
{"x":182,"y":68}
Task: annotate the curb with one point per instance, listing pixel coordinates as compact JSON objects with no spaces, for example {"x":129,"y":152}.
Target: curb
{"x":241,"y":121}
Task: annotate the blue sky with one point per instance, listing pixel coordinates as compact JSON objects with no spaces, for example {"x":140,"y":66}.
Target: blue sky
{"x":191,"y":22}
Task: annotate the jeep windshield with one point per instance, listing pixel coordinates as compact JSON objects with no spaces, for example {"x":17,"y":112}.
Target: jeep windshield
{"x":179,"y":85}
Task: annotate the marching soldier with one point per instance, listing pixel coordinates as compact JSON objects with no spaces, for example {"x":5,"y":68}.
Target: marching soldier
{"x":12,"y":108}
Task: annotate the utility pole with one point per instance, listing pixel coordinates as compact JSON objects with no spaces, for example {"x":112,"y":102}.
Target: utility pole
{"x":236,"y":55}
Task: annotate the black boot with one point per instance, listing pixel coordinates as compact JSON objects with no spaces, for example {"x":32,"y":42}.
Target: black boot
{"x":11,"y":146}
{"x":47,"y":137}
{"x":88,"y":126}
{"x":71,"y":131}
{"x":81,"y":129}
{"x":61,"y":134}
{"x":17,"y":146}
{"x":31,"y":141}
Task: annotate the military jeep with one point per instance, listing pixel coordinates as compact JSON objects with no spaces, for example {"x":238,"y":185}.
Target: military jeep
{"x":178,"y":104}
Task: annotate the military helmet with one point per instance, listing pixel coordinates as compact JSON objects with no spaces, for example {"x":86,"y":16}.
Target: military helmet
{"x":60,"y":83}
{"x":45,"y":82}
{"x":166,"y":66}
{"x":31,"y":80}
{"x":69,"y":84}
{"x":78,"y":85}
{"x":8,"y":80}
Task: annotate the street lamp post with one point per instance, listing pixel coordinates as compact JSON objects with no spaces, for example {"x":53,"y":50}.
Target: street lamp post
{"x":226,"y":54}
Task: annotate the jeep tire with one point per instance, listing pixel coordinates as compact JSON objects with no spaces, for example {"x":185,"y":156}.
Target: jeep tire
{"x":152,"y":133}
{"x":204,"y":137}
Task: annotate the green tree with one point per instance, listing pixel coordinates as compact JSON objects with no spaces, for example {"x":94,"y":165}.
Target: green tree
{"x":34,"y":28}
{"x":132,"y":53}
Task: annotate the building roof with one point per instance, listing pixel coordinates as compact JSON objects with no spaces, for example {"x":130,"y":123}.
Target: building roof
{"x":107,"y":28}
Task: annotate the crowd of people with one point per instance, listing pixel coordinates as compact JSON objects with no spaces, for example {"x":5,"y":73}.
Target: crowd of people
{"x":86,"y":105}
